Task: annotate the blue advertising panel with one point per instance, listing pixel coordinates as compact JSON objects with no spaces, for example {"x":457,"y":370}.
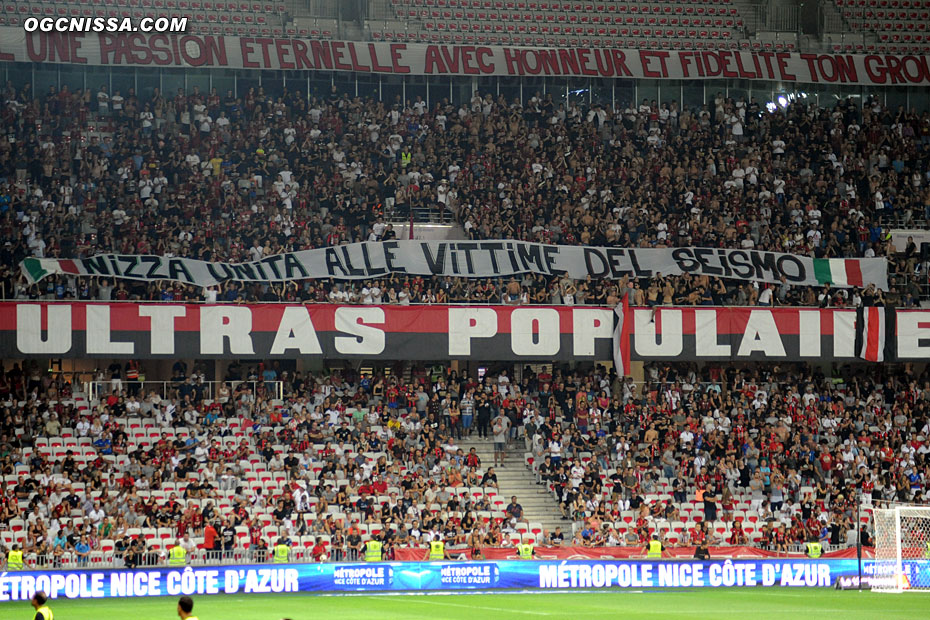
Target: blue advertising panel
{"x":424,"y":576}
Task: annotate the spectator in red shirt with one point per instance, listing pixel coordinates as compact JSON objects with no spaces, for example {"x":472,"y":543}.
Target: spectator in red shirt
{"x":318,"y":552}
{"x":210,"y":540}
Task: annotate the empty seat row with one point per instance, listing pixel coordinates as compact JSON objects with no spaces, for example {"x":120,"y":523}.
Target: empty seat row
{"x":169,"y":8}
{"x":579,"y":30}
{"x":577,"y":7}
{"x":902,"y":15}
{"x":879,"y":27}
{"x":507,"y":19}
{"x":700,"y":41}
{"x":623,"y":9}
{"x":885,"y":4}
{"x":861,"y":48}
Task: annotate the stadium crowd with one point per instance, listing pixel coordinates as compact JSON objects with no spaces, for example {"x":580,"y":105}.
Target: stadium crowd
{"x":760,"y":455}
{"x":720,"y":454}
{"x":231,"y":178}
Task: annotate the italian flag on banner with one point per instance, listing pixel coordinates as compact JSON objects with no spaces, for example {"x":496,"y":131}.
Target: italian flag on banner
{"x":838,"y":271}
{"x":37,"y":268}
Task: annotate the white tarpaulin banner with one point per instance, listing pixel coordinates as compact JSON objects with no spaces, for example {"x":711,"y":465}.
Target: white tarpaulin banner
{"x":477,"y":259}
{"x":261,"y":53}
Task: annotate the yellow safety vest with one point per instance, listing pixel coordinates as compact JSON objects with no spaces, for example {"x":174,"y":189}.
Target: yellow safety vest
{"x":927,"y":552}
{"x":655,"y":549}
{"x":14,"y":560}
{"x":437,"y":550}
{"x":177,"y":556}
{"x":814,"y":549}
{"x":525,"y":551}
{"x":280,"y":553}
{"x":405,"y":159}
{"x":46,"y":612}
{"x":373,"y":551}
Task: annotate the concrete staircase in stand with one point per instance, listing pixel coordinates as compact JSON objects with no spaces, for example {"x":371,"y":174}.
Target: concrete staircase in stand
{"x":750,"y":12}
{"x":515,"y":478}
{"x":833,"y":20}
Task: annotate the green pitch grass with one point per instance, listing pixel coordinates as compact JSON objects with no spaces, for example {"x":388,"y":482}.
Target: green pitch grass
{"x":703,"y":603}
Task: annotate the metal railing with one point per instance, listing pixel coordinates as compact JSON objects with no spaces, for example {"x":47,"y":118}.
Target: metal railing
{"x":69,"y":560}
{"x":381,"y":10}
{"x":832,"y":20}
{"x":911,"y":219}
{"x":428,"y":214}
{"x":299,"y":554}
{"x":95,"y":390}
{"x":327,"y":9}
{"x":772,"y":17}
{"x":497,"y":301}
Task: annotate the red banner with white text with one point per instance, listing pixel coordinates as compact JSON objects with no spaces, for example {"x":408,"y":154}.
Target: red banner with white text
{"x":263,"y":53}
{"x":438,"y":332}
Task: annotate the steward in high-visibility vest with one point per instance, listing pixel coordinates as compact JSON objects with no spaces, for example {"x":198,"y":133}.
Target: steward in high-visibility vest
{"x":14,"y":559}
{"x":177,"y":556}
{"x":373,"y":550}
{"x":654,"y":548}
{"x":437,"y":550}
{"x":927,"y":552}
{"x":45,"y":612}
{"x":814,"y":550}
{"x":526,"y":550}
{"x":282,"y":552}
{"x":39,"y":603}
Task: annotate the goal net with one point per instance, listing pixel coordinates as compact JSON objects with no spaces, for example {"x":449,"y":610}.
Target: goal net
{"x":902,"y":549}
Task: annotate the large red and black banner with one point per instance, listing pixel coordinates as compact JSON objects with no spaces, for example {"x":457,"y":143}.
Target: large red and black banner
{"x":393,"y":332}
{"x":288,"y":53}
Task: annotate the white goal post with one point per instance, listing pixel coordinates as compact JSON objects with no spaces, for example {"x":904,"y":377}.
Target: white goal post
{"x":902,"y":549}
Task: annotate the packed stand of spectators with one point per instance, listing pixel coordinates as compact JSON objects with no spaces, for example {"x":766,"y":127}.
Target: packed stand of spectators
{"x":766,"y":455}
{"x":340,"y":459}
{"x":230,"y":178}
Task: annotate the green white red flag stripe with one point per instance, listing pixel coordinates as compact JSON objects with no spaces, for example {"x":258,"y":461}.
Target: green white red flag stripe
{"x":840,"y":272}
